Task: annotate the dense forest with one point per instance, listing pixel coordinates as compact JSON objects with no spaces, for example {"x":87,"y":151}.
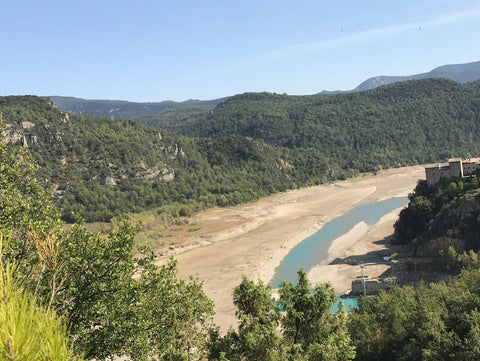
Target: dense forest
{"x":417,"y":121}
{"x":250,"y":146}
{"x":174,"y":117}
{"x":99,"y":167}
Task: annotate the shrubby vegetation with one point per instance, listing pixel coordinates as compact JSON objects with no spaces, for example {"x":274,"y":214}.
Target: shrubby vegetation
{"x":27,"y":330}
{"x":91,"y":286}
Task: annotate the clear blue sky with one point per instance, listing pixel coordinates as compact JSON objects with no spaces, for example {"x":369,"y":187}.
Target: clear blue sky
{"x":158,"y":50}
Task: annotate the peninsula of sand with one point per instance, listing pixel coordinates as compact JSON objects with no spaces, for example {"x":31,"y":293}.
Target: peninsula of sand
{"x":252,"y":239}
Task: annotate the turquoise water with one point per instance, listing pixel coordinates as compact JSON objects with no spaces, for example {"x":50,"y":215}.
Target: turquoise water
{"x":314,"y":249}
{"x":349,"y":303}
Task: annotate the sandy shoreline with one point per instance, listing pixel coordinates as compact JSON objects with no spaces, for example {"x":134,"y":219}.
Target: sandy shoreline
{"x":365,"y":245}
{"x":252,"y":239}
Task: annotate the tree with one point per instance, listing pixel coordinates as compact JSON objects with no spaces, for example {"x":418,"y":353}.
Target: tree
{"x":171,"y":317}
{"x":413,"y":219}
{"x":310,"y":330}
{"x":299,"y":326}
{"x":27,"y":330}
{"x":435,"y":322}
{"x":259,"y":316}
{"x":258,"y":336}
{"x":25,"y":206}
{"x":116,"y":304}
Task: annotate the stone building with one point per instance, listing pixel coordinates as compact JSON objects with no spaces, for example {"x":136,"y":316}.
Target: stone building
{"x":456,"y":167}
{"x":372,"y":286}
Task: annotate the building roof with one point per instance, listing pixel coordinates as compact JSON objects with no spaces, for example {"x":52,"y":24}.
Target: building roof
{"x":438,"y":165}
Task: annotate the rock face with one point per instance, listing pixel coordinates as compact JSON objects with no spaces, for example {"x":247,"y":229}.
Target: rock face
{"x":376,"y":81}
{"x":26,"y":124}
{"x":12,"y":136}
{"x":149,"y":173}
{"x":168,"y":177}
{"x":462,"y":73}
{"x":109,"y":181}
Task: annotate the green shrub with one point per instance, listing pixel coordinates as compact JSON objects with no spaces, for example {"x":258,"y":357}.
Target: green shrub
{"x":27,"y":331}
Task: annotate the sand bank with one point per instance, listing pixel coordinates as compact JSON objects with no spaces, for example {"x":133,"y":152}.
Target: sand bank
{"x":252,"y":239}
{"x":363,"y":244}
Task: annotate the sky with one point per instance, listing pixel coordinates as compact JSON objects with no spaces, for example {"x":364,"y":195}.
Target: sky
{"x":148,"y":51}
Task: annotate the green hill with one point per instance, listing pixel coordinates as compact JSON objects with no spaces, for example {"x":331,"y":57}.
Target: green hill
{"x":411,"y":122}
{"x":252,"y":145}
{"x":175,"y":117}
{"x":99,"y":167}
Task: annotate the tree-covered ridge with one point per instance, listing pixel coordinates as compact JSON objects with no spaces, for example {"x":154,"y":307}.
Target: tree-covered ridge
{"x":117,"y":109}
{"x":412,"y":122}
{"x":252,"y":145}
{"x":100,"y":167}
{"x":440,"y":216}
{"x":176,"y":117}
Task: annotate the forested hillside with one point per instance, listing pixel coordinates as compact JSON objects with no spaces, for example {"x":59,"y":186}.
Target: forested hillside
{"x":444,"y":215}
{"x":175,"y":117}
{"x":99,"y":167}
{"x":123,"y":109}
{"x":250,"y":146}
{"x":412,"y":122}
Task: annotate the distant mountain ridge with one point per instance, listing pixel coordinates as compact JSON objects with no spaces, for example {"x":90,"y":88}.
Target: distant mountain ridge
{"x":462,"y":73}
{"x":116,"y":109}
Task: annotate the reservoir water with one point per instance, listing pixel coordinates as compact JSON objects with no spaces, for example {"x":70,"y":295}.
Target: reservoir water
{"x":314,"y":249}
{"x":349,"y":303}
